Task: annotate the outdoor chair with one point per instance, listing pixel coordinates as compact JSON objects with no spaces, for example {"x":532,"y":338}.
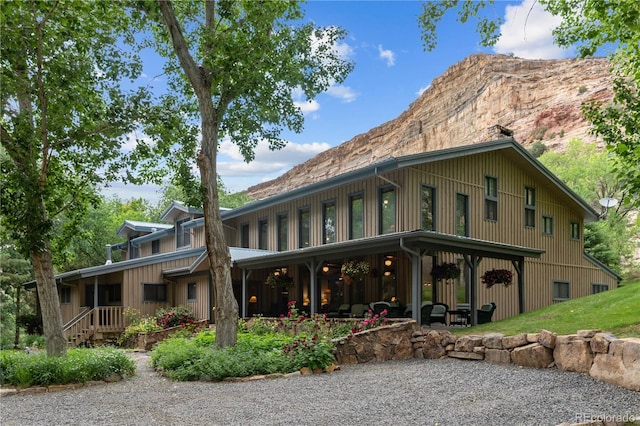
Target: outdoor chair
{"x":425,"y":314}
{"x":486,"y":312}
{"x":344,"y":310}
{"x":358,"y":310}
{"x":378,"y":307}
{"x":439,"y":313}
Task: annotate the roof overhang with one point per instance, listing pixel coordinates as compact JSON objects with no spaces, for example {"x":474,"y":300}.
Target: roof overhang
{"x":423,"y":241}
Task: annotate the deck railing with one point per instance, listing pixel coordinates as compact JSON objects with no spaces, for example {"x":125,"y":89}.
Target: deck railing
{"x":100,"y":319}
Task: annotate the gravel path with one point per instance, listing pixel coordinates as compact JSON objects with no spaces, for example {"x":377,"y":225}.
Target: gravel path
{"x":411,"y":392}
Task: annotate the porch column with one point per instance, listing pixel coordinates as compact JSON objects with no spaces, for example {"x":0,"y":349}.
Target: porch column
{"x":244,"y":294}
{"x":314,"y":267}
{"x":473,"y":263}
{"x":416,"y":281}
{"x":519,"y":267}
{"x":95,"y":302}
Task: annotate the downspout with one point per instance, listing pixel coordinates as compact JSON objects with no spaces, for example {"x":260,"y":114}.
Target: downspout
{"x":375,"y":171}
{"x":416,"y":294}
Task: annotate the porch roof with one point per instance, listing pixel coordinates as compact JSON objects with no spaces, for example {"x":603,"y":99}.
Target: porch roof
{"x":428,"y":241}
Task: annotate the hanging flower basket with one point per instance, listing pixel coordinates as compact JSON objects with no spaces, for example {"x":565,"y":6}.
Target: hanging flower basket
{"x":446,"y":271}
{"x":279,"y":279}
{"x":497,"y":276}
{"x":355,"y":270}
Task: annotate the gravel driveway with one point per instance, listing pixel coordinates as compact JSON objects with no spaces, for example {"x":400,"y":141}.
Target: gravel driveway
{"x":411,"y":392}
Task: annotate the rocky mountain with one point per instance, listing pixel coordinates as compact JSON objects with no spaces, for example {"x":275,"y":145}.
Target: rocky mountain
{"x":539,"y":100}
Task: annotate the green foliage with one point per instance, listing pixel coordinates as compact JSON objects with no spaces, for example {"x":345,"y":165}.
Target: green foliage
{"x":143,"y":325}
{"x":14,"y":301}
{"x":313,"y":352}
{"x":537,"y":149}
{"x":79,"y":365}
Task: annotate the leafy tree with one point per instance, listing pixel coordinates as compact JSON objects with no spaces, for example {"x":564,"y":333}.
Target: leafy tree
{"x":15,"y":271}
{"x":63,"y":121}
{"x":587,"y":25}
{"x":242,"y":60}
{"x":589,"y":173}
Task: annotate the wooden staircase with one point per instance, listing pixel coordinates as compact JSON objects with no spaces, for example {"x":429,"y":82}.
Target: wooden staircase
{"x":92,"y":323}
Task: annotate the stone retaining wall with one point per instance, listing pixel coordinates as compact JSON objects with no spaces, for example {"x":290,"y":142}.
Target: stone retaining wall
{"x":601,"y":355}
{"x":145,"y":341}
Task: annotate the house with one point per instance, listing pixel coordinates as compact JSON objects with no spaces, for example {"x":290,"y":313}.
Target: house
{"x":480,"y":207}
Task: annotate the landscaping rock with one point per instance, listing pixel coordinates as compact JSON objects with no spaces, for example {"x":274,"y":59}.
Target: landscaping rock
{"x":600,"y":342}
{"x":621,"y":365}
{"x":466,"y":355}
{"x":493,"y":341}
{"x":573,"y":353}
{"x":498,"y":356}
{"x":467,"y":343}
{"x":510,"y":342}
{"x":547,"y":339}
{"x":532,"y":355}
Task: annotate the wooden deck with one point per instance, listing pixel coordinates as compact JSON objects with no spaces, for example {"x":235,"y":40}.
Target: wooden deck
{"x":93,"y":323}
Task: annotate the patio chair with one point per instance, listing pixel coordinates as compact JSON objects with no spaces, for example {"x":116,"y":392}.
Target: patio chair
{"x":358,"y":310}
{"x":486,"y":312}
{"x":439,"y":313}
{"x":378,"y":307}
{"x":344,"y":310}
{"x":425,"y":314}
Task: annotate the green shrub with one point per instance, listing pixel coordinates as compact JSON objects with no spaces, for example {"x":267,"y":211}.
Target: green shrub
{"x":174,"y":317}
{"x":142,"y":325}
{"x":80,"y":365}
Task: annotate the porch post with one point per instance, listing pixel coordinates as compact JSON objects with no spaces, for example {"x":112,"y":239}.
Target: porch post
{"x":473,"y":263}
{"x":519,"y":267}
{"x":244,"y":294}
{"x":95,"y":302}
{"x":313,"y":266}
{"x":416,"y":281}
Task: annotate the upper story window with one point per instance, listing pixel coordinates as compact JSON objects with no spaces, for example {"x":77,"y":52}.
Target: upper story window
{"x":263,"y":234}
{"x":547,"y":225}
{"x":134,"y":250}
{"x":283,"y":232}
{"x":244,"y":235}
{"x":328,"y":222}
{"x":387,"y":210}
{"x":490,"y":198}
{"x":183,"y":236}
{"x":574,"y":230}
{"x":304,"y":227}
{"x":356,"y":216}
{"x":65,"y":294}
{"x":529,"y":207}
{"x":155,"y":246}
{"x":428,"y":208}
{"x":462,"y":215}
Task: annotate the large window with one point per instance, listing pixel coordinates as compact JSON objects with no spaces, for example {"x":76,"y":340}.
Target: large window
{"x":155,"y":292}
{"x":328,"y":222}
{"x":462,"y":215}
{"x":263,"y":234}
{"x":304,"y":227}
{"x":283,"y":232}
{"x":560,"y":290}
{"x":428,"y":207}
{"x":529,"y":207}
{"x":387,"y":210}
{"x":356,"y":216}
{"x":244,"y":235}
{"x":490,"y":198}
{"x":183,"y":236}
{"x":65,"y":295}
{"x":191,"y":291}
{"x":547,"y":225}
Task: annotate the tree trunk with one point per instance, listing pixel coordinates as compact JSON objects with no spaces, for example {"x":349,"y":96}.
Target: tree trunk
{"x":226,"y":311}
{"x":49,"y":303}
{"x":16,"y":337}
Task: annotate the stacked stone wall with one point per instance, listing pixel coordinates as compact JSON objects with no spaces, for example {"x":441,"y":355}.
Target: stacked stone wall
{"x":600,"y":355}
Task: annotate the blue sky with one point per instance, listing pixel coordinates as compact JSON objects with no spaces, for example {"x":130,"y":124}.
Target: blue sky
{"x":391,"y":70}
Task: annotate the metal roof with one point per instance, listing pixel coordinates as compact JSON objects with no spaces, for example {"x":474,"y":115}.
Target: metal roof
{"x":138,"y":226}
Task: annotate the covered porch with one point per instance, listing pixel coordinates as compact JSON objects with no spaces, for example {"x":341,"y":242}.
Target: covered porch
{"x":316,"y":270}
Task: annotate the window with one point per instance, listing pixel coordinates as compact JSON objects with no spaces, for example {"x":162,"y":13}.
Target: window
{"x":155,"y":246}
{"x":155,"y":292}
{"x":529,"y":207}
{"x":547,"y":225}
{"x":183,"y":236}
{"x":428,"y":208}
{"x":356,"y":216}
{"x":263,"y":234}
{"x":599,"y":288}
{"x":65,"y":295}
{"x":462,"y":215}
{"x":490,"y":198}
{"x":304,"y":227}
{"x":283,"y":232}
{"x":134,"y":250}
{"x":328,"y":222}
{"x":191,"y":291}
{"x":387,"y":213}
{"x":560,"y":290}
{"x":574,"y":230}
{"x":115,"y":293}
{"x":244,"y":235}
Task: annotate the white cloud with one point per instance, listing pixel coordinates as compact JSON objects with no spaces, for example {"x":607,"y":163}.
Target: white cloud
{"x":387,"y":55}
{"x":132,"y":141}
{"x":526,"y":32}
{"x":345,"y":93}
{"x":238,"y":175}
{"x":308,"y":106}
{"x":422,"y":90}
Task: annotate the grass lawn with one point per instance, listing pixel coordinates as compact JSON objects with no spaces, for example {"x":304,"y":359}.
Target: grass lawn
{"x":616,"y":311}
